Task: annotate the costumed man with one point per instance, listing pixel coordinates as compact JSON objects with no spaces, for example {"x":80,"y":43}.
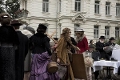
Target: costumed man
{"x":22,"y":50}
{"x":100,"y":46}
{"x":111,"y":44}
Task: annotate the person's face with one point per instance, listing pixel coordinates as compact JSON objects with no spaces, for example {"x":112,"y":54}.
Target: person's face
{"x":112,"y":41}
{"x":68,"y":33}
{"x":79,"y":34}
{"x":102,"y":40}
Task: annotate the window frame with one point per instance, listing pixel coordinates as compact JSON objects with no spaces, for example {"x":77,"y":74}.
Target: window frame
{"x":118,"y":9}
{"x":117,"y":32}
{"x":78,"y":5}
{"x":45,"y":6}
{"x":107,"y":8}
{"x":107,"y":32}
{"x":97,"y":7}
{"x":96,"y":31}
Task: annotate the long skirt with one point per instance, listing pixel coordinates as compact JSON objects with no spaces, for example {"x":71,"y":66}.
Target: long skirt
{"x":39,"y":68}
{"x":7,"y":63}
{"x":27,"y":62}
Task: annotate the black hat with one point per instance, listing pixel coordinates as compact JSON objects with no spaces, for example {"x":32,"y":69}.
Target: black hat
{"x":16,"y":23}
{"x":41,"y":28}
{"x":102,"y":37}
{"x":112,"y":38}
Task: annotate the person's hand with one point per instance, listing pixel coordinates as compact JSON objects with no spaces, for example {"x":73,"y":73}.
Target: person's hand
{"x":77,"y":48}
{"x":58,"y":60}
{"x":104,"y":48}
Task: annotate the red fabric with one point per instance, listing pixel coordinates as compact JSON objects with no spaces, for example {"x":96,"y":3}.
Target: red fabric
{"x":83,"y":45}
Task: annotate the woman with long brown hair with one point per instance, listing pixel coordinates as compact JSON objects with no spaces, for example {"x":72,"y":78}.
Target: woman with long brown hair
{"x":63,"y":49}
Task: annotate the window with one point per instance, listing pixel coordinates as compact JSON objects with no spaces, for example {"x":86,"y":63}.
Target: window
{"x":97,"y":7}
{"x":118,"y":9}
{"x":107,"y":8}
{"x":59,"y":5}
{"x":96,"y":31}
{"x":45,"y":5}
{"x":117,"y":32}
{"x":77,"y":5}
{"x":107,"y":32}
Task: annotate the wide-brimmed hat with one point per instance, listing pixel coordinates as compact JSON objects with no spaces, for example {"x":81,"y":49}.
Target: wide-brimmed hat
{"x":78,"y":29}
{"x":112,"y":38}
{"x":102,"y":37}
{"x":16,"y":23}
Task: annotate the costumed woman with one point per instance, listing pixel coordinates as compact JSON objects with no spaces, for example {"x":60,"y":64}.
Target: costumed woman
{"x":82,"y":43}
{"x":39,"y":44}
{"x":8,"y":44}
{"x":63,"y":49}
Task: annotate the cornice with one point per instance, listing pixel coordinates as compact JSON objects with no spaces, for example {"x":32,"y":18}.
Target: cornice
{"x":102,"y":20}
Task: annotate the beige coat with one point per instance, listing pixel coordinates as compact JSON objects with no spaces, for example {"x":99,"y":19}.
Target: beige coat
{"x":62,"y":54}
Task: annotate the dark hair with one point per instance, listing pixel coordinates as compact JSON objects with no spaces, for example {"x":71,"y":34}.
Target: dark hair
{"x":41,"y":28}
{"x":5,"y":19}
{"x":91,"y":41}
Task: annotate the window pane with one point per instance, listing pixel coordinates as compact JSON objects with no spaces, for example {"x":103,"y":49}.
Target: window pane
{"x":117,"y":9}
{"x":97,"y":7}
{"x":96,"y":31}
{"x":77,"y":5}
{"x":117,"y":32}
{"x":45,"y":5}
{"x":107,"y":31}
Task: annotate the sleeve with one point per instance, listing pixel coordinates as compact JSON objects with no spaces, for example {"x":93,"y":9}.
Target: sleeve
{"x":26,"y":46}
{"x":47,"y":45}
{"x":31,"y":44}
{"x":73,"y":41}
{"x":98,"y":47}
{"x":86,"y":43}
{"x":60,"y":47}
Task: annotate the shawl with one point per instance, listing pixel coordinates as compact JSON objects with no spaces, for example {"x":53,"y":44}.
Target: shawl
{"x":79,"y":38}
{"x":62,"y":50}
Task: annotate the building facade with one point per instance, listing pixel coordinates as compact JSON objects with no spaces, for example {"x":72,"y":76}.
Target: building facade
{"x":96,"y":17}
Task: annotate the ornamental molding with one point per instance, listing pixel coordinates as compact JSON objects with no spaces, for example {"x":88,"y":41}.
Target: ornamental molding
{"x":78,"y":18}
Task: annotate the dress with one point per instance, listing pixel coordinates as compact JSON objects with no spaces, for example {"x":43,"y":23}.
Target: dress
{"x":21,"y":53}
{"x":39,"y":44}
{"x":8,"y":42}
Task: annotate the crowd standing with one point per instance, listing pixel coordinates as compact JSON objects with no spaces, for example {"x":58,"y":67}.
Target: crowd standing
{"x":25,"y":55}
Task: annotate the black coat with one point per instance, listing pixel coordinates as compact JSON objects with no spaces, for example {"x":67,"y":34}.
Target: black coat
{"x":99,"y":47}
{"x":21,"y":52}
{"x":8,"y":41}
{"x":39,"y":43}
{"x":110,"y":44}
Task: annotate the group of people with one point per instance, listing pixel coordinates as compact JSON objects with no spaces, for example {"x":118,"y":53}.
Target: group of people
{"x":17,"y":46}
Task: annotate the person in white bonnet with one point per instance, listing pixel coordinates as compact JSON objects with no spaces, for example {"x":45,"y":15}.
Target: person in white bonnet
{"x":81,"y":40}
{"x":82,"y":44}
